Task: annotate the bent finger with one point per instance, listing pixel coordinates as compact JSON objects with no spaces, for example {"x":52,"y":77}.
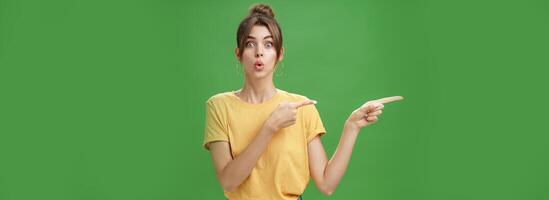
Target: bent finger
{"x":369,"y":107}
{"x":375,"y":113}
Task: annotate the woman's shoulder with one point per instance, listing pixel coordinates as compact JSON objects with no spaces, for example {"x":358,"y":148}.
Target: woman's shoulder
{"x":220,"y":97}
{"x":291,"y":96}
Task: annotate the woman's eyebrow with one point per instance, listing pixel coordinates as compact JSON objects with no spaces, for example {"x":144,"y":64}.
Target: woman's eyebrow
{"x":252,"y":37}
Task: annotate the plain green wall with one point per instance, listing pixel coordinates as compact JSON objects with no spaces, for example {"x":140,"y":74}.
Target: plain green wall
{"x":105,"y":99}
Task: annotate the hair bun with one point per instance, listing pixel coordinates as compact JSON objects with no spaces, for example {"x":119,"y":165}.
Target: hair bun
{"x":262,"y":9}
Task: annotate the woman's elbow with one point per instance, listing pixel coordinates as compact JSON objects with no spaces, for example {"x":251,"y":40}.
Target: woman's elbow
{"x":228,"y":186}
{"x":326,"y":191}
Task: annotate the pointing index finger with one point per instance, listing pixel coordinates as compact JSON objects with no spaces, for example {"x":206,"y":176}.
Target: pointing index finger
{"x":303,"y":103}
{"x":389,"y":99}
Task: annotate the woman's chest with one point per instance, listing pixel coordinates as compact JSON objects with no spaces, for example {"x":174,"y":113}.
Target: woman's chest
{"x":243,"y":128}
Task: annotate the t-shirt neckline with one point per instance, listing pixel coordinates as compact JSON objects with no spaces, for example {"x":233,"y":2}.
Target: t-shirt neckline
{"x":266,"y":102}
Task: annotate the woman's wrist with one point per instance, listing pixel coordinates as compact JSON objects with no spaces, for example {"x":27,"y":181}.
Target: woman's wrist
{"x":269,"y":128}
{"x":351,"y":127}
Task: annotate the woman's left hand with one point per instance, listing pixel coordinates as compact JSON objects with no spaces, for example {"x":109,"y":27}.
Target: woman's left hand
{"x":368,"y":113}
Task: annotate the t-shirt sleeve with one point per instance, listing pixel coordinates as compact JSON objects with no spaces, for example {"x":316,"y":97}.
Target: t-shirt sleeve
{"x":214,"y":127}
{"x":313,"y":123}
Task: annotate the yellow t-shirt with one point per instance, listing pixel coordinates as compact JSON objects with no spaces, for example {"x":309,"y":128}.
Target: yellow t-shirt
{"x":282,"y":171}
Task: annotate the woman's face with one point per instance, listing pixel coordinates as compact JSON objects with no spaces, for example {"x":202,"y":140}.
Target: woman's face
{"x":259,"y":54}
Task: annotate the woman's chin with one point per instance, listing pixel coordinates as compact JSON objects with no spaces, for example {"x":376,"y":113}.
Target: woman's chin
{"x":259,"y":74}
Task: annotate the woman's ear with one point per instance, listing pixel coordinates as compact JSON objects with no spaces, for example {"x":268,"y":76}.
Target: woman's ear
{"x":281,"y":54}
{"x":237,"y":53}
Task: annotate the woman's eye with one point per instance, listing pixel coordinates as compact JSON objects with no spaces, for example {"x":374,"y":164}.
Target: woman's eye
{"x":269,"y":44}
{"x":250,"y":44}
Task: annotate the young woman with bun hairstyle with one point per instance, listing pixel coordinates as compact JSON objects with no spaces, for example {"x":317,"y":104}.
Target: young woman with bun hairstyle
{"x":265,"y":142}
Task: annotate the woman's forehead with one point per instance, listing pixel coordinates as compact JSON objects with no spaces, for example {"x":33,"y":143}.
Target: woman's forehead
{"x":259,"y":32}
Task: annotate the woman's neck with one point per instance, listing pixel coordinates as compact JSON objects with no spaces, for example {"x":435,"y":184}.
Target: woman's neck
{"x":257,"y":92}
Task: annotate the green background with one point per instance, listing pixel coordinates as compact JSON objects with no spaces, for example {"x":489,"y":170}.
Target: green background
{"x":105,"y":99}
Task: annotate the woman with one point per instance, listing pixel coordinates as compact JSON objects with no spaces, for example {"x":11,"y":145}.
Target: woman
{"x":265,"y":142}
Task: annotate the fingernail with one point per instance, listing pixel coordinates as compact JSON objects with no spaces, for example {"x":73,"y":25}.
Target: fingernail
{"x":314,"y":101}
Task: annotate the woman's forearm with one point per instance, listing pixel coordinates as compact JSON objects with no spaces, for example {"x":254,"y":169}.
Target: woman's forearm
{"x":337,"y":165}
{"x":237,"y":170}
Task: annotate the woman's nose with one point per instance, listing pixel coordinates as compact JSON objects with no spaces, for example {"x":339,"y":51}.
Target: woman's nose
{"x":259,"y":52}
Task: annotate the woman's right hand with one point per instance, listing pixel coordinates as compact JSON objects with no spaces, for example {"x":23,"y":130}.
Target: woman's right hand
{"x":285,"y":114}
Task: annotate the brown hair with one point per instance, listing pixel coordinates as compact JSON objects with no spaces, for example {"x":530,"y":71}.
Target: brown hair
{"x":260,"y":14}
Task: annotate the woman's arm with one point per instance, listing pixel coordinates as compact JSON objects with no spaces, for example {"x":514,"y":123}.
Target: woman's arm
{"x":232,"y":172}
{"x":327,"y":174}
